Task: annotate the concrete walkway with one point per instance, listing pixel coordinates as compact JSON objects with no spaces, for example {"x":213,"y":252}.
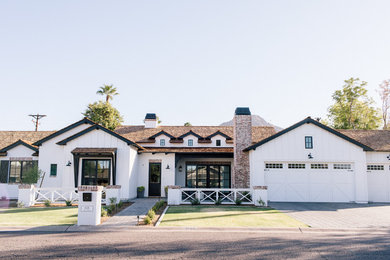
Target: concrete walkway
{"x":128,"y":216}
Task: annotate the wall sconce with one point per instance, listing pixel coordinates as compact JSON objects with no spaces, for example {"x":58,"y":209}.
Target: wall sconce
{"x":388,"y":157}
{"x":167,"y":167}
{"x":310,"y":156}
{"x":180,"y":168}
{"x":69,"y":163}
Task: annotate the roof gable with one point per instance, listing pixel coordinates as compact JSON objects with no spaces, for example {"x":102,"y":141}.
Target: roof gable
{"x":19,"y":142}
{"x":162,"y":132}
{"x":190,"y":133}
{"x":219,"y":133}
{"x":63,"y":130}
{"x":314,"y":122}
{"x":98,"y":127}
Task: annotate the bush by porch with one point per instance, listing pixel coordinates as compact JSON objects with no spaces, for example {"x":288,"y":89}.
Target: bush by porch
{"x":227,"y":216}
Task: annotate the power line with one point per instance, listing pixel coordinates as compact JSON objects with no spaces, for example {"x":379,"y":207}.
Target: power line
{"x":36,"y":120}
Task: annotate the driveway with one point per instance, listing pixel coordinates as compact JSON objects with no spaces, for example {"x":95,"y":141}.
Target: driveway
{"x":337,"y":215}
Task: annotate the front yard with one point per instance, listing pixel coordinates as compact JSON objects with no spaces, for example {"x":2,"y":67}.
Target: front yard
{"x":38,"y":216}
{"x":227,"y":216}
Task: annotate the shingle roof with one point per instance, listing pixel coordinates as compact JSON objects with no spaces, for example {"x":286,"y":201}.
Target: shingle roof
{"x":9,"y":137}
{"x":141,"y":134}
{"x":188,"y":150}
{"x":379,"y":140}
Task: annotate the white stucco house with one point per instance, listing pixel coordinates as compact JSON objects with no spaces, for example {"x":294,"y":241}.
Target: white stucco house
{"x":307,"y":162}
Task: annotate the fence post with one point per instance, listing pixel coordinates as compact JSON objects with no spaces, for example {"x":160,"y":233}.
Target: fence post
{"x":260,"y":195}
{"x":26,"y":195}
{"x":174,"y":195}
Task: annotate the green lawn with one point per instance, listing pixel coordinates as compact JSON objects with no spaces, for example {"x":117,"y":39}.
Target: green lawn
{"x":38,"y":216}
{"x":227,"y":216}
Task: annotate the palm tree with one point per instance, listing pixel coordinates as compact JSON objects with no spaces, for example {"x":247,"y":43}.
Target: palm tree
{"x":108,"y":90}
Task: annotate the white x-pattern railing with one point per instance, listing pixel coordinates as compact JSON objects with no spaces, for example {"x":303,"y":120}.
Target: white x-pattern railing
{"x":59,"y":195}
{"x":211,"y":196}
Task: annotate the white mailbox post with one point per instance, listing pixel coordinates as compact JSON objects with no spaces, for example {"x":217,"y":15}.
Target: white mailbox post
{"x":90,"y":204}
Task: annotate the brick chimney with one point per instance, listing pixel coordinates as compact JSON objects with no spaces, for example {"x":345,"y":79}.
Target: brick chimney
{"x":150,"y":120}
{"x":242,"y":139}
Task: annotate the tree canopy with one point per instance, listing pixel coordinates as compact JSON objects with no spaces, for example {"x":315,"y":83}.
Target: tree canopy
{"x":109,"y":91}
{"x":187,"y":124}
{"x":352,"y":108}
{"x":105,"y":114}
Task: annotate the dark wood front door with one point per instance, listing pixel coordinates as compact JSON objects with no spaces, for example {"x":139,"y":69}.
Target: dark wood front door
{"x":154,"y":179}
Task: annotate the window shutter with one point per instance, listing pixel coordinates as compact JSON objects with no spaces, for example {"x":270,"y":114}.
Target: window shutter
{"x":53,"y":170}
{"x":4,"y":171}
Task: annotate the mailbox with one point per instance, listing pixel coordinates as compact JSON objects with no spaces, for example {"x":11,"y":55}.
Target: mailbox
{"x":87,"y":196}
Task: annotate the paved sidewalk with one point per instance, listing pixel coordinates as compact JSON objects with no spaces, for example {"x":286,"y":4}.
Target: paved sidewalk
{"x":337,"y":215}
{"x":128,"y":216}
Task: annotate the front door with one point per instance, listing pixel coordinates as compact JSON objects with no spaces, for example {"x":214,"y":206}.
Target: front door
{"x":155,"y":179}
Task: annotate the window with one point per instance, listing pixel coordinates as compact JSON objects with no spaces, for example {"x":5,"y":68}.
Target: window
{"x":218,"y":142}
{"x":342,"y":166}
{"x":18,"y":168}
{"x":96,"y":172}
{"x":53,"y":170}
{"x":308,"y":142}
{"x":296,"y":166}
{"x":162,"y":142}
{"x":190,"y":142}
{"x":375,"y":167}
{"x":208,"y":176}
{"x":319,"y":166}
{"x":274,"y":165}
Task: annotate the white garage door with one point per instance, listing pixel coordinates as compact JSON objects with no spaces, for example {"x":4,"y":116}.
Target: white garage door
{"x":378,"y":178}
{"x":310,"y":182}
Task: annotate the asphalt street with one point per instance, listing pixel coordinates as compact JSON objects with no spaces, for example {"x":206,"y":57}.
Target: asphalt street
{"x":157,"y":243}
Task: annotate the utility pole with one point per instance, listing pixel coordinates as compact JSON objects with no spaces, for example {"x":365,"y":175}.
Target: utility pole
{"x":36,"y":120}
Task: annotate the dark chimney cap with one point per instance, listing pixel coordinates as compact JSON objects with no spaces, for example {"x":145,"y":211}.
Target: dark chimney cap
{"x":150,"y":116}
{"x":242,"y":111}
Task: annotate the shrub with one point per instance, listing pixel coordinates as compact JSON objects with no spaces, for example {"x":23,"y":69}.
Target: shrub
{"x":112,"y":208}
{"x":166,"y":191}
{"x":47,"y":203}
{"x":158,"y":205}
{"x":20,"y":204}
{"x":112,"y":200}
{"x":218,"y":201}
{"x":238,"y":202}
{"x":140,"y":188}
{"x":147,"y":220}
{"x":195,"y":202}
{"x":261,"y":202}
{"x":32,"y":175}
{"x":120,"y":204}
{"x":109,"y":211}
{"x":151,"y":214}
{"x":68,"y":203}
{"x":103,"y":213}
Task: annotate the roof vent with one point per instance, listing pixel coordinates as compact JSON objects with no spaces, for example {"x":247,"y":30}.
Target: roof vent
{"x":242,"y":111}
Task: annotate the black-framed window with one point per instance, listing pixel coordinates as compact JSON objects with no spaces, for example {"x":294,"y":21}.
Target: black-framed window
{"x":53,"y":170}
{"x":190,"y":142}
{"x":208,"y":176}
{"x":17,"y":168}
{"x":308,"y":142}
{"x":96,"y":172}
{"x":162,"y":142}
{"x":218,"y":142}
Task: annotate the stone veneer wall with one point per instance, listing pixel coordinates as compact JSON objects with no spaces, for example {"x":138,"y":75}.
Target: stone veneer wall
{"x":242,"y":139}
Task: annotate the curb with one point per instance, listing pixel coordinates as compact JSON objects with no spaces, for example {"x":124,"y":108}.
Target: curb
{"x":162,"y":216}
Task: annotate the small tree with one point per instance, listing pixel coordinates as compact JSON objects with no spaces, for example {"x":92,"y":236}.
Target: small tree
{"x":187,"y":124}
{"x":384,"y":93}
{"x":32,"y":175}
{"x":104,"y":114}
{"x":352,"y":108}
{"x":107,"y":90}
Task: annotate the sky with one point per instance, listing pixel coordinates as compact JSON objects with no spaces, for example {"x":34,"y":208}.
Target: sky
{"x":188,"y":61}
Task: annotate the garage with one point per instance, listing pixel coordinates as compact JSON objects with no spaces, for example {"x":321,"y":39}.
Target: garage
{"x":310,"y":182}
{"x":378,"y":181}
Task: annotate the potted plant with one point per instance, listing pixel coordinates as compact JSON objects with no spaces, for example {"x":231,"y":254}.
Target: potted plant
{"x":140,"y":191}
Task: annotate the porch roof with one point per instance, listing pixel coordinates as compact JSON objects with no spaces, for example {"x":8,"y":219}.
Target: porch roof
{"x":188,"y":150}
{"x":100,"y":151}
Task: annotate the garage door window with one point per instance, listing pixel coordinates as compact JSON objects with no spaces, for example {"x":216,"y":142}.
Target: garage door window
{"x":342,"y":166}
{"x":319,"y":166}
{"x":296,"y":166}
{"x":274,"y":166}
{"x":375,"y":167}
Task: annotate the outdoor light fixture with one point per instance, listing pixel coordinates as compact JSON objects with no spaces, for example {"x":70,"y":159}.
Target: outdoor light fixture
{"x":167,"y":167}
{"x":69,"y":163}
{"x":180,"y":168}
{"x":388,"y":157}
{"x":310,"y":156}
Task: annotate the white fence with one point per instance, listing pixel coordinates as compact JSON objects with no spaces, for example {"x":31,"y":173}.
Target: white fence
{"x":213,"y":196}
{"x":55,"y":195}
